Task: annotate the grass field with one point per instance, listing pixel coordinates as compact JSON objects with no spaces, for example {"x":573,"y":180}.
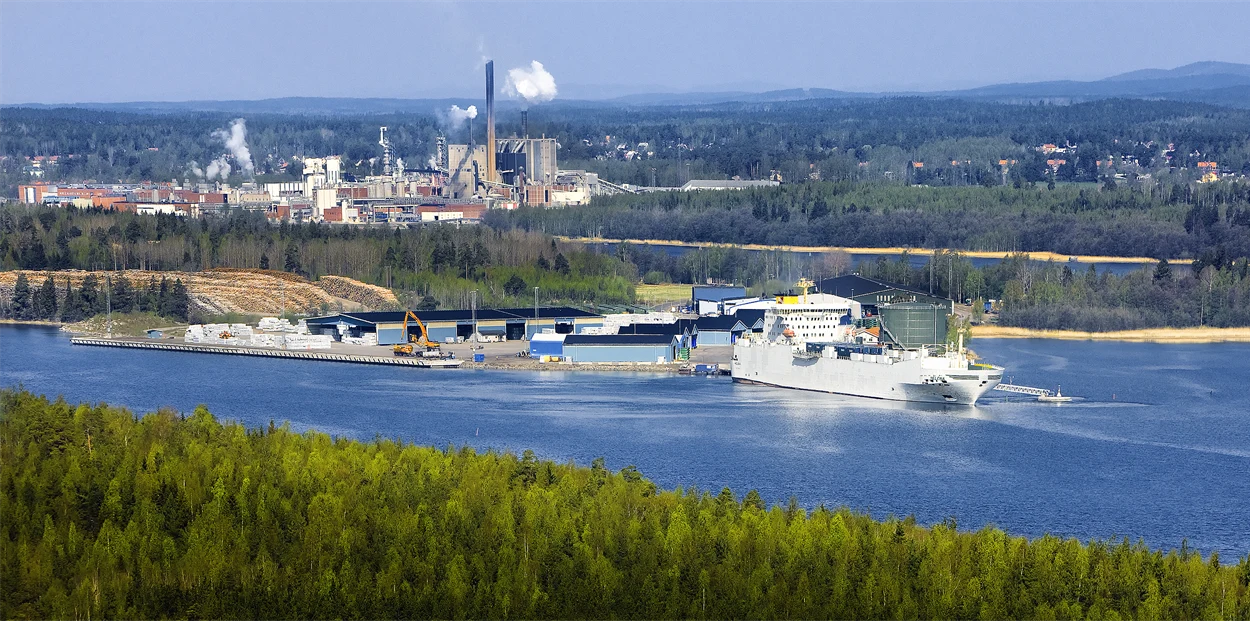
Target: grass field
{"x":126,"y":324}
{"x":654,"y":294}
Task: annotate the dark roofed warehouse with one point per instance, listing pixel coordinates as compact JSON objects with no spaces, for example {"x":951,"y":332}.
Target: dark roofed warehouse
{"x":513,"y":324}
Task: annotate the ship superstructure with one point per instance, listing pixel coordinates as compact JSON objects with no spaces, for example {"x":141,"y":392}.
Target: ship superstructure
{"x":823,"y":343}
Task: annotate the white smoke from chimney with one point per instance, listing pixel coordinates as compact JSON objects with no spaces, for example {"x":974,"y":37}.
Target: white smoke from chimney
{"x":236,"y":142}
{"x":457,"y":116}
{"x":532,"y":85}
{"x":217,"y":168}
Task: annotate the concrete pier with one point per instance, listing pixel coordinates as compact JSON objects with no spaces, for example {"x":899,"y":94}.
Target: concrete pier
{"x":231,"y":350}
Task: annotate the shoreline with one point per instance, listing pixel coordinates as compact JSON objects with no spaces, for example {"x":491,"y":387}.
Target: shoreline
{"x":1145,"y":335}
{"x":976,"y":254}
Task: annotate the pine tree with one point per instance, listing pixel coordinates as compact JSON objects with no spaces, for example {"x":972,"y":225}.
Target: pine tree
{"x":45,"y":300}
{"x":562,"y":264}
{"x":264,"y":261}
{"x":179,"y":301}
{"x":291,"y":262}
{"x":93,"y":302}
{"x":73,"y":306}
{"x":122,"y":295}
{"x":163,"y":301}
{"x":22,"y":303}
{"x":149,"y":302}
{"x":1163,"y":271}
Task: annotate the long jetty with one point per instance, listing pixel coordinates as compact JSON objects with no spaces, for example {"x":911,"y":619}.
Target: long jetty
{"x":270,"y":353}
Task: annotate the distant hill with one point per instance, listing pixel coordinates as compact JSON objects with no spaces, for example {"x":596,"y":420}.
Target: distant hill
{"x":1221,"y":83}
{"x":283,"y":105}
{"x":1209,"y":67}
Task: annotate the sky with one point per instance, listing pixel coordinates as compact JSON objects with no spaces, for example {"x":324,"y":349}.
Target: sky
{"x":68,"y":52}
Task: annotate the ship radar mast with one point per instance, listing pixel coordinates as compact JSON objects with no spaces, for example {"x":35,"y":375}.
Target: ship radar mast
{"x":804,"y":284}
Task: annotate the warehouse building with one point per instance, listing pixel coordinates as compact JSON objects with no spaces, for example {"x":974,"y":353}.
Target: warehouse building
{"x":686,"y":330}
{"x":649,"y":348}
{"x":710,"y":299}
{"x":512,"y":324}
{"x":722,"y":330}
{"x":872,"y":293}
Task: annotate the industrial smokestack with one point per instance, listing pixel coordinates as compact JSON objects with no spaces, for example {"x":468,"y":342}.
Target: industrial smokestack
{"x":525,"y":123}
{"x":490,"y":120}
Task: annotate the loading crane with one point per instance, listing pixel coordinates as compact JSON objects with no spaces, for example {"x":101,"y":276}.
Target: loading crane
{"x":407,"y":349}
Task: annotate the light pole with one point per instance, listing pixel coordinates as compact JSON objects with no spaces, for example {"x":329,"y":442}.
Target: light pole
{"x":535,"y":310}
{"x":108,"y":301}
{"x":473,"y":309}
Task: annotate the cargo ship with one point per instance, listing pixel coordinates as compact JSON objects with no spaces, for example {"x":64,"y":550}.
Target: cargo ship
{"x":823,"y":343}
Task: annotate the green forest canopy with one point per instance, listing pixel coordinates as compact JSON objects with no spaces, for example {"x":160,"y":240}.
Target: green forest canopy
{"x":110,"y":515}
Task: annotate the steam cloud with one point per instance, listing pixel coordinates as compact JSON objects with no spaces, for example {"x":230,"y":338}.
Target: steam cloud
{"x":218,"y":167}
{"x":457,"y":116}
{"x":236,"y":142}
{"x":533,"y":84}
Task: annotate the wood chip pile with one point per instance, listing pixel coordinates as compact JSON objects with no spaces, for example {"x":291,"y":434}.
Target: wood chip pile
{"x":372,"y":296}
{"x":221,"y":291}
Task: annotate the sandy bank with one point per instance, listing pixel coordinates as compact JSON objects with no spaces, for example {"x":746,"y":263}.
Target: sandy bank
{"x":979,"y":254}
{"x":1150,"y":335}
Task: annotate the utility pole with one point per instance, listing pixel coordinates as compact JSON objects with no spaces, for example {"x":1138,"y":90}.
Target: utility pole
{"x":535,"y":310}
{"x":473,"y":308}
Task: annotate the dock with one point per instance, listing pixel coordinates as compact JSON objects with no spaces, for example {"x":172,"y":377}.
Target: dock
{"x":1041,"y":393}
{"x":230,"y":350}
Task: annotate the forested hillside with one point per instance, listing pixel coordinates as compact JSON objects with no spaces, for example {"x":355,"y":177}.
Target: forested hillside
{"x":111,"y":515}
{"x":959,"y":142}
{"x":436,"y":266}
{"x":1157,"y":220}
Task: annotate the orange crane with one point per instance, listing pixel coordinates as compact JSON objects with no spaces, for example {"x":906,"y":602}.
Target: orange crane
{"x":407,"y":349}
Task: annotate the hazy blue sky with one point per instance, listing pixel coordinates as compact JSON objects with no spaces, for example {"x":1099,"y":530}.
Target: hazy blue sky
{"x":117,"y":51}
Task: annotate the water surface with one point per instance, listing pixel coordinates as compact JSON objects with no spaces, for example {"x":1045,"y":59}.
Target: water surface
{"x":1158,"y":448}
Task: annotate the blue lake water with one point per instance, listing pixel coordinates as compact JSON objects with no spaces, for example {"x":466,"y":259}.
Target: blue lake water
{"x":1158,"y":448}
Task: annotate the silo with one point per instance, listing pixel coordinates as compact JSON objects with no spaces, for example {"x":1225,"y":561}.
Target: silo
{"x":913,"y":324}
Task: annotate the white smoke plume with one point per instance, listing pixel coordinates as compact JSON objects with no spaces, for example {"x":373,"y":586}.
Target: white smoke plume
{"x":533,"y":84}
{"x":457,"y":116}
{"x":196,"y":170}
{"x":236,"y":142}
{"x":217,"y":168}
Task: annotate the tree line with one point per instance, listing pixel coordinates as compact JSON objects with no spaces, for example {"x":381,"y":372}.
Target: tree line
{"x":1160,"y":220}
{"x":95,"y":296}
{"x":108,"y":514}
{"x":959,"y":142}
{"x":441,"y":263}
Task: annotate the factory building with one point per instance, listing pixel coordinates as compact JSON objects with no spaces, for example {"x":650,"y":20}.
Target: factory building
{"x":512,"y":324}
{"x":526,"y":160}
{"x":467,"y":169}
{"x":644,"y":348}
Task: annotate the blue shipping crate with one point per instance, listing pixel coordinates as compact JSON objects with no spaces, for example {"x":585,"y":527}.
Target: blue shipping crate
{"x":479,"y":357}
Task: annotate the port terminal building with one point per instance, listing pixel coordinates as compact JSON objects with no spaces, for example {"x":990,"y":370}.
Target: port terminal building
{"x":511,"y":324}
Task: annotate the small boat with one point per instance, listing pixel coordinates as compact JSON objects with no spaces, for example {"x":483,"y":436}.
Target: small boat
{"x":1055,"y":398}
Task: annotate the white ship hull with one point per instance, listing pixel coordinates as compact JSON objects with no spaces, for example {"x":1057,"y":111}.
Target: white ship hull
{"x":921,"y":378}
